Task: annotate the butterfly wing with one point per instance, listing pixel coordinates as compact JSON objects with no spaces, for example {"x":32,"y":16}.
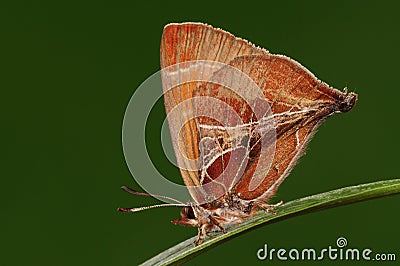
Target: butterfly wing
{"x":299,"y":103}
{"x":238,"y":140}
{"x":182,"y":44}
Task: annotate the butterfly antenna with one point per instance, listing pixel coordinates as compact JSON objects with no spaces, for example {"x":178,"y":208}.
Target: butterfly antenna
{"x":150,"y":207}
{"x":134,"y":192}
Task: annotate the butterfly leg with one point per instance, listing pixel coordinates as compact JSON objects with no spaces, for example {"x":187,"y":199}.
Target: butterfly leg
{"x":216,"y":223}
{"x":202,"y":232}
{"x":268,"y":207}
{"x":203,"y":229}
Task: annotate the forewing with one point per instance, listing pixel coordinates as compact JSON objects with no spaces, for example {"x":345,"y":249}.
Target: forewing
{"x":182,"y":44}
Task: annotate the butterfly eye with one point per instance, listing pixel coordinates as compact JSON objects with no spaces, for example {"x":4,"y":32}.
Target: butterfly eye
{"x":190,"y":213}
{"x":187,"y":212}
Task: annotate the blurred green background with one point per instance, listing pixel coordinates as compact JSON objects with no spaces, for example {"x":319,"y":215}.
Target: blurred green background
{"x":68,"y":71}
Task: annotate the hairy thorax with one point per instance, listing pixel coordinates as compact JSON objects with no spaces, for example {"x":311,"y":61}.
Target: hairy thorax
{"x":227,"y":210}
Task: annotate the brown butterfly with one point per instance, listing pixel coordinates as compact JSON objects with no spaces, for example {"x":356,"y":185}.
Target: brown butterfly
{"x":235,"y":146}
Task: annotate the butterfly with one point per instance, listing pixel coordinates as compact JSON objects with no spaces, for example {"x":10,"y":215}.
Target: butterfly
{"x":240,"y":118}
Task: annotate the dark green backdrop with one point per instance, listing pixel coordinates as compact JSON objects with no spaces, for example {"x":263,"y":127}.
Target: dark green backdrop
{"x":69,"y":70}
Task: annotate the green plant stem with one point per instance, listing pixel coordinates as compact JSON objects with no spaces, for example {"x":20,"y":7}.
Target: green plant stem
{"x":185,"y":250}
